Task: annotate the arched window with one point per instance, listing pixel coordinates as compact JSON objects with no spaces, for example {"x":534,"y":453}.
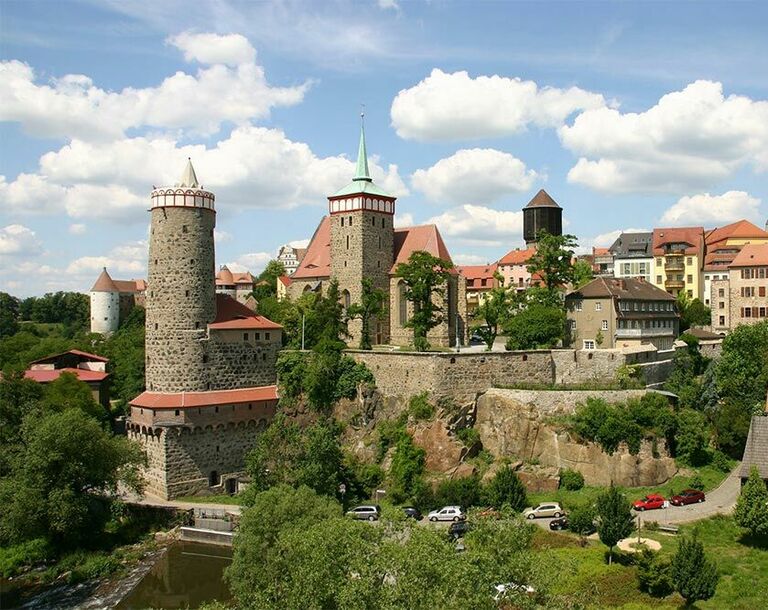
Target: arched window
{"x":346,"y":300}
{"x":402,"y":302}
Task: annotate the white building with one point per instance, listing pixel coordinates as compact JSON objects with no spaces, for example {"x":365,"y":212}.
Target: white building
{"x":291,"y":258}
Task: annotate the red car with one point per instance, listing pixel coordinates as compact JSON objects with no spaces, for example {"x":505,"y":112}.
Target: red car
{"x":689,"y":496}
{"x":649,"y":502}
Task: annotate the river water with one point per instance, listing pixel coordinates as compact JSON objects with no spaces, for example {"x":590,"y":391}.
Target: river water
{"x":186,"y":576}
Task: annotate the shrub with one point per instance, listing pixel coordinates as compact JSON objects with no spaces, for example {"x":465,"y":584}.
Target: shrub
{"x":505,"y":489}
{"x":694,"y":575}
{"x":571,"y":480}
{"x":464,"y":492}
{"x":582,"y":519}
{"x":14,"y":559}
{"x":420,"y":408}
{"x":469,"y":436}
{"x":407,"y":468}
{"x":696,"y":482}
{"x":654,"y":574}
{"x":721,"y":461}
{"x":350,"y":375}
{"x":390,"y":431}
{"x":628,"y":376}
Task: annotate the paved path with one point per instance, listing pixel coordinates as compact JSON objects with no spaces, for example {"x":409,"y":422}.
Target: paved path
{"x":153,"y":501}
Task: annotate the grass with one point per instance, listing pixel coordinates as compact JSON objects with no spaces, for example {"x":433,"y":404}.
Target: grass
{"x":583,"y":573}
{"x":711,"y":477}
{"x":221,"y":499}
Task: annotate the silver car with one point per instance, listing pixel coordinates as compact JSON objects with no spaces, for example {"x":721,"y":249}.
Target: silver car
{"x":368,"y":512}
{"x":447,"y":513}
{"x":545,"y":509}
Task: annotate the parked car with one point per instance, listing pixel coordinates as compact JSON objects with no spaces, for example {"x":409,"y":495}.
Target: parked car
{"x":447,"y":513}
{"x":413,"y":513}
{"x":688,"y":496}
{"x":476,"y":339}
{"x":649,"y":502}
{"x":503,"y":591}
{"x":458,"y":529}
{"x":545,"y":509}
{"x":368,"y":512}
{"x":559,"y":524}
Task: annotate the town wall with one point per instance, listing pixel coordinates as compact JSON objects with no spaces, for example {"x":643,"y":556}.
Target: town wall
{"x":236,"y":363}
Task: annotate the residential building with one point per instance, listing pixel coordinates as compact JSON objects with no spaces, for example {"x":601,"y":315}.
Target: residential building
{"x":541,"y":213}
{"x":237,"y":285}
{"x":112,"y":301}
{"x":678,"y":260}
{"x":291,"y":258}
{"x":480,"y":280}
{"x":513,"y":267}
{"x":88,"y":368}
{"x":742,"y":298}
{"x":756,"y":449}
{"x":621,"y":312}
{"x":283,"y":282}
{"x":602,"y":261}
{"x":632,"y":255}
{"x":722,"y":246}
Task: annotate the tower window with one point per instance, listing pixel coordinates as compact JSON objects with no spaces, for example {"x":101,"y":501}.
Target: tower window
{"x":177,"y":412}
{"x":379,"y":242}
{"x":186,"y":293}
{"x":191,"y":261}
{"x":155,"y":324}
{"x":342,"y":221}
{"x":184,"y":228}
{"x":383,"y":221}
{"x":266,"y":336}
{"x":197,"y":325}
{"x":350,"y":221}
{"x":373,"y":222}
{"x":347,"y":242}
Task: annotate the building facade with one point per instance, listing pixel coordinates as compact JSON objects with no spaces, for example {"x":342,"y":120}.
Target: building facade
{"x":678,"y":260}
{"x":480,"y":280}
{"x":291,"y":258}
{"x":612,"y":313}
{"x":741,"y":298}
{"x":210,"y":361}
{"x":237,"y":285}
{"x":632,"y":256}
{"x":112,"y":301}
{"x":91,"y":369}
{"x":602,"y":261}
{"x":513,"y":267}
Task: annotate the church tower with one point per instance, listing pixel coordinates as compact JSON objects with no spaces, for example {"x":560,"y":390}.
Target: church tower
{"x":542,"y":212}
{"x":362,"y":240}
{"x":180,"y":296}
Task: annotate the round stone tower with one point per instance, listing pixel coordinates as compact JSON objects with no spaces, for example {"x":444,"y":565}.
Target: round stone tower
{"x":542,"y":212}
{"x":180,"y":296}
{"x":105,"y":305}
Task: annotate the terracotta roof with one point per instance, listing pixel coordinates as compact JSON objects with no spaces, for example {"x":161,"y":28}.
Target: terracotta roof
{"x":623,"y":288}
{"x":47,"y":375}
{"x":300,"y":252}
{"x":517,"y":257}
{"x":751,"y":255}
{"x":285,"y":279}
{"x":104,"y":283}
{"x":542,"y":200}
{"x":226,"y":278}
{"x":180,"y":400}
{"x":412,"y":239}
{"x":76,"y":352}
{"x":756,"y":449}
{"x":130,"y":285}
{"x":600,"y":251}
{"x":742,"y":229}
{"x":231,"y":314}
{"x":692,"y":236}
{"x":474,"y":272}
{"x":317,"y":260}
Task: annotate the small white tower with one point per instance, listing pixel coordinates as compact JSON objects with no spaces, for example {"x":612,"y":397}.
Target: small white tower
{"x":105,"y":305}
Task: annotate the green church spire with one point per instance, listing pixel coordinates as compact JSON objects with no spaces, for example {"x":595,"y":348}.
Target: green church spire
{"x":361,"y":172}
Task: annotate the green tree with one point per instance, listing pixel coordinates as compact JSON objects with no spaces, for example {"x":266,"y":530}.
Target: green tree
{"x":582,"y":273}
{"x":406,"y":469}
{"x":654,"y":574}
{"x":69,"y":393}
{"x":730,"y":425}
{"x":535,"y":327}
{"x":553,"y":260}
{"x":506,"y":489}
{"x":493,"y":311}
{"x":370,"y":307}
{"x":581,"y":520}
{"x":695,"y":577}
{"x":692,"y":312}
{"x":614,"y":518}
{"x":424,"y":277}
{"x":266,"y":283}
{"x":9,"y":315}
{"x":125,"y":350}
{"x":752,"y":506}
{"x":692,"y":437}
{"x":742,"y":370}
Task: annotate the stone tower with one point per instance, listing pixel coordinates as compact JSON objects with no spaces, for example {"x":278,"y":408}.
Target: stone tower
{"x":105,"y":305}
{"x":542,"y":212}
{"x":362,"y":240}
{"x":180,"y":297}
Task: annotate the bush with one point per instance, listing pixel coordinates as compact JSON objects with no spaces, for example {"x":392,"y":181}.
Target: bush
{"x":350,"y":375}
{"x":469,"y":436}
{"x":571,"y":480}
{"x":582,"y":518}
{"x":464,"y":492}
{"x":16,"y":558}
{"x":506,"y":489}
{"x":696,"y":482}
{"x":390,"y":431}
{"x":654,"y":574}
{"x":406,"y":470}
{"x":420,"y":408}
{"x":721,"y":461}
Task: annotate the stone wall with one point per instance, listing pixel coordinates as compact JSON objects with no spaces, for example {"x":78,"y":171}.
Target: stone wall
{"x":235,"y":363}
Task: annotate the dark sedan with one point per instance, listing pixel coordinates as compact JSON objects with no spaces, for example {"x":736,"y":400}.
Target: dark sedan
{"x":560,"y":523}
{"x":458,"y":529}
{"x":412,"y":512}
{"x":689,"y":496}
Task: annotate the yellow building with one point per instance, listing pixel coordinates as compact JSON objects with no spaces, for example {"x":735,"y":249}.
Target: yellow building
{"x":678,"y":259}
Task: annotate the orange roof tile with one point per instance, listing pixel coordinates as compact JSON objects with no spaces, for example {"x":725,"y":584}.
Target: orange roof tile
{"x":474,"y":272}
{"x":317,"y":260}
{"x":517,"y":257}
{"x":425,"y":238}
{"x":48,"y":375}
{"x":182,"y":400}
{"x":693,"y":236}
{"x":231,"y":314}
{"x":104,"y":283}
{"x":285,"y":280}
{"x":131,"y":285}
{"x":751,"y":255}
{"x":742,"y":229}
{"x":76,"y":352}
{"x":600,"y":251}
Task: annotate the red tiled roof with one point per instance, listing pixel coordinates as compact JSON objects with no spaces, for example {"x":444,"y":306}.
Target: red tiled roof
{"x":693,"y":236}
{"x":426,"y":238}
{"x":742,"y":229}
{"x":542,"y":200}
{"x":131,"y":285}
{"x":76,"y":352}
{"x":104,"y":283}
{"x":473,"y":272}
{"x":285,"y":279}
{"x":517,"y":257}
{"x":231,"y":314}
{"x":600,"y":251}
{"x":317,"y":260}
{"x":751,"y":255}
{"x":47,"y":375}
{"x":226,"y":278}
{"x":181,"y":400}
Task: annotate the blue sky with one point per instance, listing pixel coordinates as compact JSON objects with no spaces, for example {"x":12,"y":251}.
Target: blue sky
{"x":630,"y":114}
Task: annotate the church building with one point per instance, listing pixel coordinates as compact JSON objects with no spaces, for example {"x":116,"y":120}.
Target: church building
{"x":358,"y":239}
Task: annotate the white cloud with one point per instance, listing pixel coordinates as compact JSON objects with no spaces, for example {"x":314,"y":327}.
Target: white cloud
{"x":30,"y":193}
{"x":251,"y":261}
{"x":480,"y":175}
{"x":77,"y":229}
{"x":481,"y":226}
{"x":388,"y":4}
{"x":221,"y":237}
{"x":299,"y":243}
{"x":690,"y":139}
{"x":18,"y":240}
{"x":129,"y":259}
{"x":404,"y":219}
{"x":447,"y":106}
{"x":706,"y":209}
{"x":469,"y":259}
{"x":72,"y":106}
{"x":231,"y":49}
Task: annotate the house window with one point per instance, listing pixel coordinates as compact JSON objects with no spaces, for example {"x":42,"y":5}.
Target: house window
{"x":177,"y":412}
{"x":578,"y":305}
{"x":598,"y":306}
{"x":266,"y":336}
{"x":690,"y":293}
{"x":658,"y":279}
{"x":257,"y":336}
{"x":589,"y":344}
{"x":721,"y":305}
{"x":689,"y":261}
{"x":761,"y":291}
{"x":604,"y":325}
{"x":245,"y":336}
{"x":722,"y":320}
{"x":721,"y":292}
{"x":690,"y":279}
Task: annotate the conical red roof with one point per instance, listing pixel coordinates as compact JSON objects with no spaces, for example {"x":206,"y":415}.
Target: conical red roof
{"x":542,"y":200}
{"x":104,"y":283}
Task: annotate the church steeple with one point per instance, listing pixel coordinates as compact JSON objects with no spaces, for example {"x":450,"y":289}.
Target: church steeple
{"x":361,"y":172}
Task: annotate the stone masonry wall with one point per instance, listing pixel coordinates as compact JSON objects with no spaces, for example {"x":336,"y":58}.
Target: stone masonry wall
{"x":180,"y":298}
{"x":242,"y":364}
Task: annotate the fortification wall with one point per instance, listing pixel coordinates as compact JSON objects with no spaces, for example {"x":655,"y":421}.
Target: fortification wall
{"x":241,"y":363}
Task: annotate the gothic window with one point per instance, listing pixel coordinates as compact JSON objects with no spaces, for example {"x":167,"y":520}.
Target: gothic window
{"x":402,"y":302}
{"x":346,"y":301}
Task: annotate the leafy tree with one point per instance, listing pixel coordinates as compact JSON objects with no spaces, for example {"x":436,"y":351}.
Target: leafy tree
{"x":752,"y":506}
{"x":535,"y":327}
{"x":692,"y":312}
{"x":614,"y":518}
{"x":464,"y":492}
{"x":69,"y":308}
{"x":553,"y":260}
{"x":493,"y":311}
{"x":330,"y":319}
{"x":692,"y":437}
{"x":730,"y":425}
{"x":370,"y":307}
{"x":582,"y":273}
{"x":424,"y":277}
{"x":506,"y":489}
{"x":571,"y":480}
{"x":742,"y":370}
{"x":69,"y":393}
{"x":9,"y":315}
{"x":695,"y":577}
{"x":406,"y":469}
{"x":654,"y":574}
{"x":266,"y":283}
{"x":582,"y":519}
{"x":125,"y":350}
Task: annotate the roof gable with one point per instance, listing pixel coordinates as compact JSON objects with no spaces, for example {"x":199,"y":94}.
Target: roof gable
{"x":317,"y":260}
{"x":424,"y":238}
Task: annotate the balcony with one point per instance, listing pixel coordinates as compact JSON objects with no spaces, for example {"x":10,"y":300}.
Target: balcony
{"x":674,"y":264}
{"x":674,"y":284}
